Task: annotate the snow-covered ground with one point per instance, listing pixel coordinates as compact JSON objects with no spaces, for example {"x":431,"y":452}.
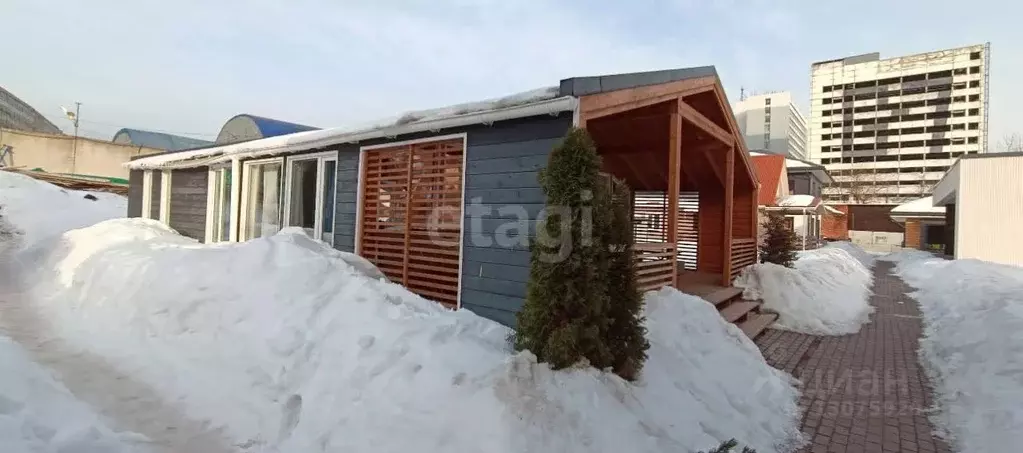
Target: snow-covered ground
{"x":31,"y":210}
{"x":826,"y":292}
{"x":280,"y":344}
{"x":972,"y":346}
{"x":38,"y":414}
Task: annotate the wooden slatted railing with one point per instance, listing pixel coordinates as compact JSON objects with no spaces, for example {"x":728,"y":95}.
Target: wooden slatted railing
{"x":654,"y":265}
{"x":744,"y":253}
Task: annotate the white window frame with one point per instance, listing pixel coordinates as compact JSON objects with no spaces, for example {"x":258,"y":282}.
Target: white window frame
{"x":359,"y":195}
{"x":246,"y":170}
{"x":147,"y":194}
{"x":321,"y":160}
{"x":213,"y":180}
{"x":165,"y":196}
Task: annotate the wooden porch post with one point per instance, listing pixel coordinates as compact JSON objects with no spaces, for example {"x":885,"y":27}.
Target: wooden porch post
{"x":674,"y":160}
{"x":726,"y":277}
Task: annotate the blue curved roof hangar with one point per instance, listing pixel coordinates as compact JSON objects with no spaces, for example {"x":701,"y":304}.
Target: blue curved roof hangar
{"x":245,"y":127}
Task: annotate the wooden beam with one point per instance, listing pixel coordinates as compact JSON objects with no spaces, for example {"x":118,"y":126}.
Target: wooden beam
{"x":597,"y":111}
{"x":674,"y":161}
{"x":606,"y":103}
{"x":726,"y":274}
{"x":704,"y":123}
{"x":756,"y":213}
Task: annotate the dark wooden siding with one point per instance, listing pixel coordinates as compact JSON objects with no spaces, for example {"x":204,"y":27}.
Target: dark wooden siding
{"x":154,"y":209}
{"x":500,"y":188}
{"x":346,"y":202}
{"x":188,"y":202}
{"x":135,"y":193}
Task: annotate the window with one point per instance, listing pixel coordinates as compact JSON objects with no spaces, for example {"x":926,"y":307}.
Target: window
{"x":940,"y":101}
{"x":826,"y":124}
{"x":973,"y":112}
{"x":913,"y":130}
{"x":861,"y":134}
{"x":261,"y":198}
{"x":958,"y":127}
{"x":827,"y":88}
{"x":959,"y":85}
{"x":939,"y":128}
{"x":960,"y":71}
{"x":218,"y":215}
{"x":958,"y":141}
{"x":847,"y":98}
{"x":865,"y":108}
{"x":936,"y":88}
{"x":887,"y":132}
{"x":309,"y":186}
{"x":939,"y":115}
{"x":916,"y":117}
{"x":863,"y":121}
{"x":912,"y":104}
{"x":825,"y":136}
{"x":959,"y":99}
{"x":975,"y":55}
{"x":975,"y":70}
{"x":939,"y":74}
{"x":958,"y":113}
{"x":975,"y":84}
{"x":914,"y":78}
{"x":971,"y":140}
{"x":909,"y":91}
{"x":974,"y":97}
{"x":863,"y":96}
{"x":973,"y":126}
{"x":767,"y":101}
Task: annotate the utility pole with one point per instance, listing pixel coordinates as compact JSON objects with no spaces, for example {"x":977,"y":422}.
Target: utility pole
{"x":73,"y":116}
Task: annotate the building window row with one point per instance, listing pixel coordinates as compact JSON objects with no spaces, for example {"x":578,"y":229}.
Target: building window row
{"x":896,"y":118}
{"x":888,"y":170}
{"x":894,"y":157}
{"x":903,"y":131}
{"x":903,"y":79}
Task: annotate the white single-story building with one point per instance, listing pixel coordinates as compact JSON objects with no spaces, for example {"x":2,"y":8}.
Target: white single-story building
{"x":983,"y":199}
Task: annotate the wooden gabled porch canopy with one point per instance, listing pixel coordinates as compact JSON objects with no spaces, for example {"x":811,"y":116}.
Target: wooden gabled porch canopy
{"x":677,"y":135}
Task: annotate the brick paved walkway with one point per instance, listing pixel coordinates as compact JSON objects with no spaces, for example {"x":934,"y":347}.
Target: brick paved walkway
{"x":864,"y":392}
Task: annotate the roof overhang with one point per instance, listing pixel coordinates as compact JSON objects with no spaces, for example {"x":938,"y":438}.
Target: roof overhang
{"x":944,"y":192}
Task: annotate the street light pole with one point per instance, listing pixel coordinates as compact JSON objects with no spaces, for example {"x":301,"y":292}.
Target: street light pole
{"x":74,"y":146}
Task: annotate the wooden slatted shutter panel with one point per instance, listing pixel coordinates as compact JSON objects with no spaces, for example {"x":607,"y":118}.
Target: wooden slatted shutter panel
{"x":419,"y":243}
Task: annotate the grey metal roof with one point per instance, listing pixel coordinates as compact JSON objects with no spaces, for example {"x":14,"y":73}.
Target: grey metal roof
{"x":158,"y":140}
{"x":582,"y":86}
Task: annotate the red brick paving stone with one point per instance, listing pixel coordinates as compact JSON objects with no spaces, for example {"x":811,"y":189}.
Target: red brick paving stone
{"x":864,"y":392}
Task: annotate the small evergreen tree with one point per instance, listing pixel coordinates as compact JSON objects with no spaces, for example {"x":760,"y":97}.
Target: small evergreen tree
{"x":565,"y":317}
{"x":626,"y":334}
{"x":779,"y":246}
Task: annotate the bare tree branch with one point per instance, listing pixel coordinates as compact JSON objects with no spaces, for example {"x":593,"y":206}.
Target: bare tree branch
{"x":1011,"y":143}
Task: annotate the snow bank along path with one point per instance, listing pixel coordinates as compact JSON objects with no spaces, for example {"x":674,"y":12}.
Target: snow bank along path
{"x":38,"y":414}
{"x":972,"y":346}
{"x":283,"y":346}
{"x":33,"y":210}
{"x":826,"y":293}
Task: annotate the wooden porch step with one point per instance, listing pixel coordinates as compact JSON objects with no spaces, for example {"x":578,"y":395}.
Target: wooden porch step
{"x":736,"y":310}
{"x":755,"y":324}
{"x":720,"y":296}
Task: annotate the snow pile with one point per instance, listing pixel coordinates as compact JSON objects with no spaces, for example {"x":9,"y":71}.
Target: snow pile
{"x":38,"y":414}
{"x":972,"y":347}
{"x":34,"y":209}
{"x":284,"y":346}
{"x":826,"y":293}
{"x":864,"y":257}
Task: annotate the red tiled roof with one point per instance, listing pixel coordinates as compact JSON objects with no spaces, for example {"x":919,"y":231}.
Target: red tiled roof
{"x":769,"y":170}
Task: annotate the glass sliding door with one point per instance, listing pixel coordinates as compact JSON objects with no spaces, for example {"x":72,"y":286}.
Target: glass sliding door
{"x":310,"y":194}
{"x":261,"y":198}
{"x":220,"y":229}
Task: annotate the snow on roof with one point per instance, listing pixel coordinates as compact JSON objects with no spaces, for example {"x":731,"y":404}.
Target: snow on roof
{"x":529,"y":103}
{"x":799,"y":201}
{"x":923,"y":205}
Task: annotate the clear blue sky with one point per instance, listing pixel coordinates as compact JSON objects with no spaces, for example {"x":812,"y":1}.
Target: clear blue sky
{"x":187,"y":66}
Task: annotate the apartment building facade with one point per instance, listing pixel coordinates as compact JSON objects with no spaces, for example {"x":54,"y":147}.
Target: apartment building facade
{"x":771,"y":122}
{"x":887,"y":130}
